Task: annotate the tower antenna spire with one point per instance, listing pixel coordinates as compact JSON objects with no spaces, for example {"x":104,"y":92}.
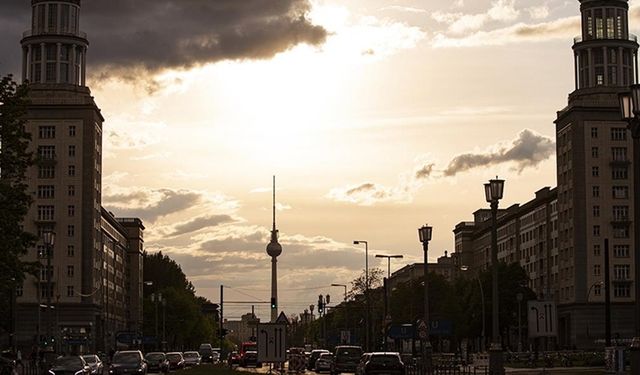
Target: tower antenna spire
{"x":274,"y":203}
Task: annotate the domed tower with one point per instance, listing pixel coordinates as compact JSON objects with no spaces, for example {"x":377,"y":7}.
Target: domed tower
{"x":274,"y":249}
{"x":595,"y":175}
{"x":54,"y":50}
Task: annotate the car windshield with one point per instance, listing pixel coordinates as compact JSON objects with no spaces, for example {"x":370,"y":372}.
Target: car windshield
{"x":190,"y":355}
{"x":350,"y":353}
{"x":155,"y":357}
{"x":173,"y":357}
{"x":325,"y":356}
{"x":384,"y":360}
{"x":126,"y":358}
{"x":74,"y":362}
{"x":90,"y":358}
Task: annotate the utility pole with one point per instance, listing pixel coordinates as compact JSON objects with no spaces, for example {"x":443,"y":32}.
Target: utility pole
{"x":164,"y":320}
{"x":221,"y":316}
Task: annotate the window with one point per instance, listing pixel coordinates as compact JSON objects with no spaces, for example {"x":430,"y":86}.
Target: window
{"x":45,"y":213}
{"x":620,"y":192}
{"x":596,"y":250}
{"x":619,"y":153}
{"x":597,"y":289}
{"x":46,"y":191}
{"x":594,"y":132}
{"x":70,"y":291}
{"x":71,"y":251}
{"x":619,"y":173}
{"x":45,"y":291}
{"x":595,"y":191}
{"x":621,"y":232}
{"x":47,"y":152}
{"x":621,"y":290}
{"x":621,"y":213}
{"x":46,"y":132}
{"x":53,"y":17}
{"x":595,"y":171}
{"x":72,"y":171}
{"x":46,"y":171}
{"x":596,"y":231}
{"x":71,"y":189}
{"x":70,"y":271}
{"x":618,"y":134}
{"x":596,"y":211}
{"x":72,"y":131}
{"x":41,"y":251}
{"x":44,"y":274}
{"x":19,"y":291}
{"x":621,"y":271}
{"x":71,"y":230}
{"x":621,"y":251}
{"x":71,"y":210}
{"x":594,"y":152}
{"x":596,"y":270}
{"x":72,"y":151}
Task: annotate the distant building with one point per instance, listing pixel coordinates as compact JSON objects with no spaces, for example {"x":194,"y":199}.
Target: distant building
{"x":447,"y":266}
{"x":242,"y":330}
{"x":96,"y":261}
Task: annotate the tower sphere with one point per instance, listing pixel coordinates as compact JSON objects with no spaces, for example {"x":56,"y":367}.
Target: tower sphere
{"x":274,"y":249}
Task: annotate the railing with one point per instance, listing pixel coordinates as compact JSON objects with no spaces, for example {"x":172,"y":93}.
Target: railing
{"x":28,"y":33}
{"x":446,"y":366}
{"x":631,"y":37}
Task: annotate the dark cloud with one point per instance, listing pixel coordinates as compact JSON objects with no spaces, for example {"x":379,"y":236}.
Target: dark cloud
{"x":425,"y":171}
{"x":128,"y":36}
{"x":140,"y":196}
{"x":528,"y":150}
{"x":200,"y":223}
{"x":169,"y":201}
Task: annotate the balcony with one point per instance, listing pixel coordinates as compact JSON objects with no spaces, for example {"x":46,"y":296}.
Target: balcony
{"x":620,"y":161}
{"x":46,"y":160}
{"x":578,"y":39}
{"x":620,"y":220}
{"x":78,"y":34}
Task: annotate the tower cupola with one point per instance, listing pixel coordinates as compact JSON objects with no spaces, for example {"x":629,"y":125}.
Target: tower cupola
{"x":54,"y":49}
{"x":605,"y":53}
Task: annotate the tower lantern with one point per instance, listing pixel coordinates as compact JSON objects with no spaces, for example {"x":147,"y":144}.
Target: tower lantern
{"x":54,"y":49}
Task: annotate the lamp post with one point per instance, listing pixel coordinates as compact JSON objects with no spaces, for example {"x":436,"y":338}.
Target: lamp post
{"x":346,"y":316}
{"x":49,"y":239}
{"x":155,"y":298}
{"x":386,"y":317}
{"x":424,"y":233}
{"x":482,"y":334}
{"x":366,"y":291}
{"x":520,"y":297}
{"x":493,"y":193}
{"x":630,"y":110}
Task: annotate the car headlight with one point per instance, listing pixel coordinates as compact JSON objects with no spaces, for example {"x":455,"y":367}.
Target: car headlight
{"x":51,"y":372}
{"x":79,"y":372}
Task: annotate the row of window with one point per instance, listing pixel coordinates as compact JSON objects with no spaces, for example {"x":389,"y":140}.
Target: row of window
{"x":619,"y":212}
{"x":46,"y":292}
{"x":52,"y":18}
{"x":49,"y":131}
{"x":618,"y":232}
{"x":619,"y":290}
{"x":617,"y":153}
{"x":617,"y":172}
{"x":617,"y":134}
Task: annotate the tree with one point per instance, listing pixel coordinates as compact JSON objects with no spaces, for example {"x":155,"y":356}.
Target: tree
{"x":15,"y":159}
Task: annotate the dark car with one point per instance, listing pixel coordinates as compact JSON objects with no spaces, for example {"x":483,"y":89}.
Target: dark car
{"x":157,"y":362}
{"x":70,"y":365}
{"x":345,"y":359}
{"x":363,"y":361}
{"x":233,"y":358}
{"x":386,"y":363}
{"x":176,"y":361}
{"x":206,"y":353}
{"x":250,"y":359}
{"x":313,"y":357}
{"x":324,"y":362}
{"x":128,"y":362}
{"x":94,"y":362}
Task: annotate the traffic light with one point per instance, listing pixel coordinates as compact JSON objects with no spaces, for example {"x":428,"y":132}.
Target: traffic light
{"x":273,"y":302}
{"x":223,"y":332}
{"x":320,"y":305}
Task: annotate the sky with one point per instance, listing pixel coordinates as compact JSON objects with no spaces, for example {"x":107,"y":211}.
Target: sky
{"x":376,"y":116}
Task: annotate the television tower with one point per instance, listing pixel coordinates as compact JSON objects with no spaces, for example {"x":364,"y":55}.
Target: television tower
{"x":274,"y":249}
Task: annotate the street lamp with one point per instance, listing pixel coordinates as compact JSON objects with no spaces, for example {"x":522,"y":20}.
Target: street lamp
{"x":630,"y":110}
{"x":386,"y":318}
{"x":482,"y":334}
{"x":49,"y":239}
{"x":520,"y":297}
{"x":424,"y":233}
{"x":366,"y":291}
{"x":493,"y":191}
{"x":346,"y":316}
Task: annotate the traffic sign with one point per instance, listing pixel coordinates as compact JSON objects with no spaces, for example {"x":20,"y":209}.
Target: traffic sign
{"x":282,"y":319}
{"x":542,"y":319}
{"x":345,"y":337}
{"x":423,"y":330}
{"x":272,"y":346}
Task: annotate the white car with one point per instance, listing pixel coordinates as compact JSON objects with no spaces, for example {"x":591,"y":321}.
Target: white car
{"x":191,"y":358}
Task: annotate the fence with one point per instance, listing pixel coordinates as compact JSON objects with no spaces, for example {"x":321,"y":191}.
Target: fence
{"x":446,"y":368}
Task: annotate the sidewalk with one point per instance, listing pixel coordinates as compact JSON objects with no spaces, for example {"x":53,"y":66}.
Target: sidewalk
{"x":555,"y":370}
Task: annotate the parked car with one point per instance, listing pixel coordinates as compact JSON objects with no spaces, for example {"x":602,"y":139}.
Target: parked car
{"x":206,"y":353}
{"x":233,"y":358}
{"x":313,"y":357}
{"x":323,"y":363}
{"x":191,"y":358}
{"x":215,"y":357}
{"x":157,"y":362}
{"x":384,"y":363}
{"x":73,"y":364}
{"x":94,"y":362}
{"x":176,"y":361}
{"x":363,"y":361}
{"x":128,"y":361}
{"x":250,"y":359}
{"x":345,"y":359}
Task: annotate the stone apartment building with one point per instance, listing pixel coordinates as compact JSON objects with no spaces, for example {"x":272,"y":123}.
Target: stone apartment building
{"x":93,"y":288}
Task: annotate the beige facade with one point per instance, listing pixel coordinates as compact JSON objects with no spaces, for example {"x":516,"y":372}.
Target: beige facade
{"x":86,"y":299}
